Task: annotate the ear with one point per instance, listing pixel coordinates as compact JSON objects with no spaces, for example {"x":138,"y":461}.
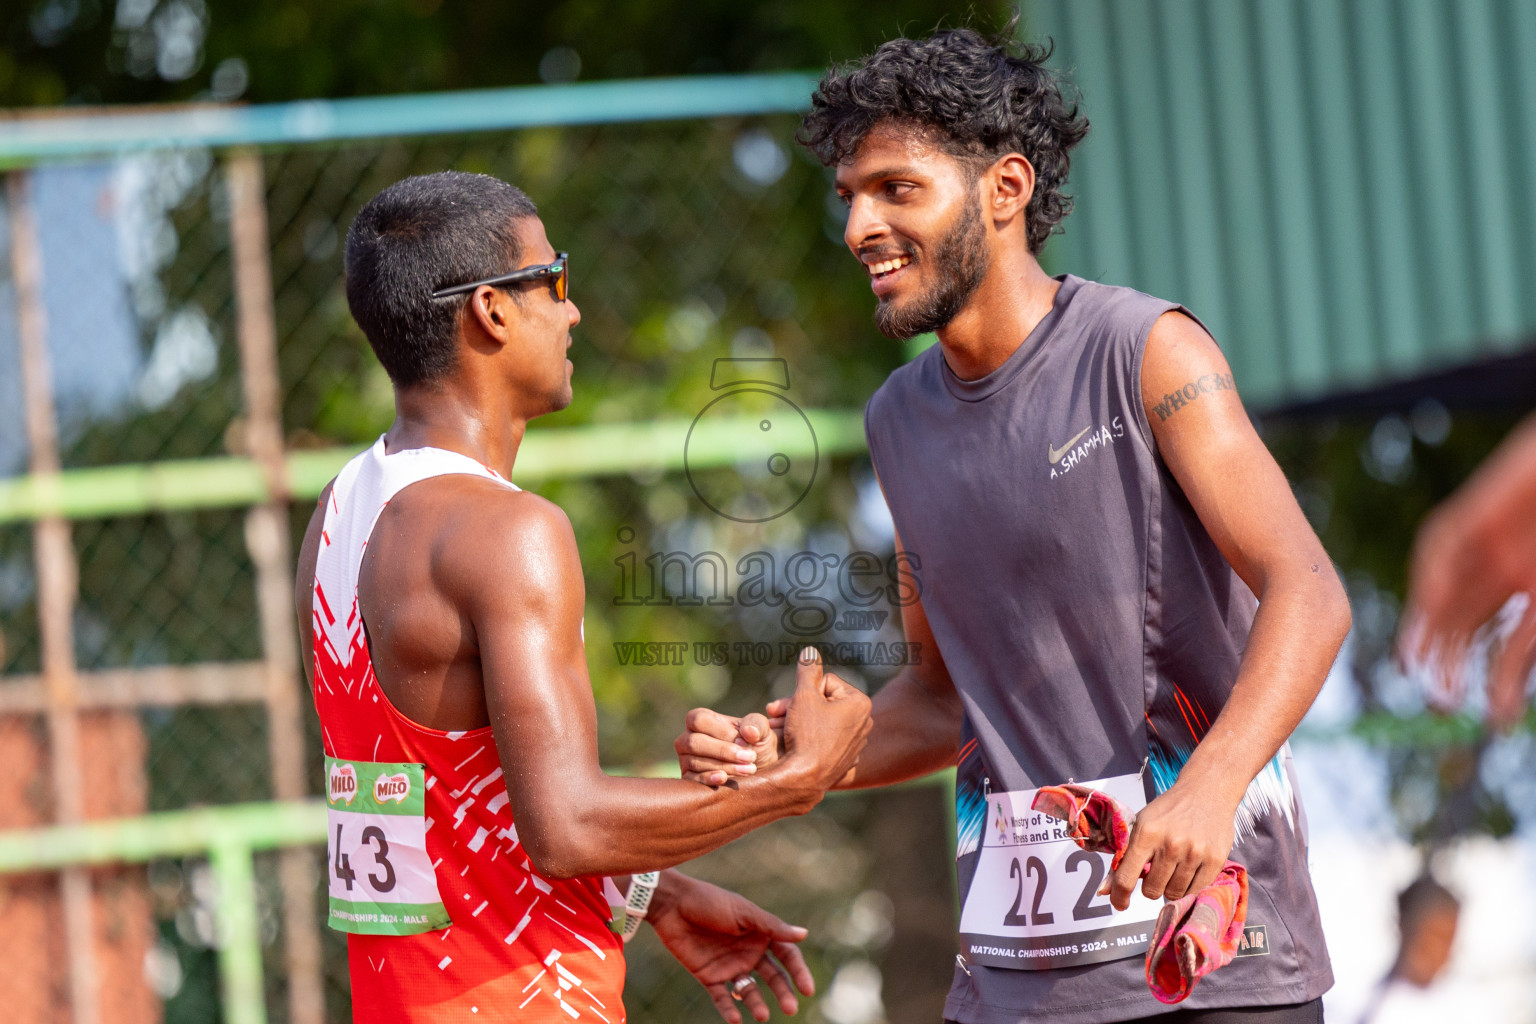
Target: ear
{"x":493,"y":311}
{"x":1012,"y":183}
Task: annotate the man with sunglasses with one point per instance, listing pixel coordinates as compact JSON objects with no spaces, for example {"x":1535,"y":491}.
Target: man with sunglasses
{"x":557,"y":273}
{"x":473,"y":836}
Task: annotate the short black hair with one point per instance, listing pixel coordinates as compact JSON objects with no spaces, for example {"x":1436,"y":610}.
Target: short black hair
{"x":416,"y":236}
{"x":977,"y":99}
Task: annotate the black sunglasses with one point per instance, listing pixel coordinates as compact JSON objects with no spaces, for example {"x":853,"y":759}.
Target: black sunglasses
{"x":559,"y":271}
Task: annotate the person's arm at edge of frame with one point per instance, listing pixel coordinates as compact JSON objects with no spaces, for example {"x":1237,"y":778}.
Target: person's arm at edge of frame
{"x":1244,"y":501}
{"x":916,"y":729}
{"x":1472,"y":553}
{"x":520,"y":583}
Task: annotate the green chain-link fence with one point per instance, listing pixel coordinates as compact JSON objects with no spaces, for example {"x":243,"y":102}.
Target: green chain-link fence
{"x":691,"y":241}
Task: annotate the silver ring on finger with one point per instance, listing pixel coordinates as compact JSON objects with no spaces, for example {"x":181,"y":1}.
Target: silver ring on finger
{"x":740,"y":986}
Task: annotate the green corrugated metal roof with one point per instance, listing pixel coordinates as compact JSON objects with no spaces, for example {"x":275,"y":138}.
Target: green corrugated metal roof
{"x":1344,"y":190}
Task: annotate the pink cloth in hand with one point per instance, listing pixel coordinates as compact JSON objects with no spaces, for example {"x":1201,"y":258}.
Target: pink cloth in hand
{"x":1193,"y":935}
{"x":1098,"y":822}
{"x":1197,"y":934}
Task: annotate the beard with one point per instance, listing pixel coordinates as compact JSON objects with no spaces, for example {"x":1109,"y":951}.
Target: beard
{"x":959,"y":262}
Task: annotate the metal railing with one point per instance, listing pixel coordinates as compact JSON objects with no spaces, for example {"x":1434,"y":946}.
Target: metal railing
{"x":186,"y":484}
{"x":27,"y":139}
{"x":228,"y":836}
{"x":50,"y":497}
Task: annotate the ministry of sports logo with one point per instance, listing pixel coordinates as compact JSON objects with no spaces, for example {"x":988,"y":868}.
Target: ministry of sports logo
{"x":1081,"y":445}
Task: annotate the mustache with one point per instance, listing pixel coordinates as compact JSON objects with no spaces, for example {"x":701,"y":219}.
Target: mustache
{"x":874,"y":255}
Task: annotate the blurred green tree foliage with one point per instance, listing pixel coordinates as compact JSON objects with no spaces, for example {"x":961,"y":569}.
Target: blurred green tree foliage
{"x":690,"y":242}
{"x":685,"y":250}
{"x":156,"y":51}
{"x":680,"y":257}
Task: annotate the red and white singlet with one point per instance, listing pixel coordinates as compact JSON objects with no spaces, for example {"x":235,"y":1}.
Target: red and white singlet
{"x":421,"y":833}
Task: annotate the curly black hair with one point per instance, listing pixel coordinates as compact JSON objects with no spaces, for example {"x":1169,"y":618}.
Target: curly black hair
{"x":975,"y":97}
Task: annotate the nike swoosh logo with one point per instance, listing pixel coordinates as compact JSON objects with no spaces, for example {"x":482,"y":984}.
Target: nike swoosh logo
{"x":1055,"y":454}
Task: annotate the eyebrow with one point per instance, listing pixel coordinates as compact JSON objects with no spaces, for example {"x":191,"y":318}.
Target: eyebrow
{"x":906,"y":171}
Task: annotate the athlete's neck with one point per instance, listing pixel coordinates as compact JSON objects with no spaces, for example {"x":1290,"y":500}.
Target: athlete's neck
{"x":449,"y":417}
{"x":1015,"y":296}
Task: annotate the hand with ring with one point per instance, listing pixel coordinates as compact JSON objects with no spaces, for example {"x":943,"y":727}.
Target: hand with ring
{"x":723,"y":939}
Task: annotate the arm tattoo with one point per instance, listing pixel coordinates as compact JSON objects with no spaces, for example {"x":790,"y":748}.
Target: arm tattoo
{"x":1176,"y":400}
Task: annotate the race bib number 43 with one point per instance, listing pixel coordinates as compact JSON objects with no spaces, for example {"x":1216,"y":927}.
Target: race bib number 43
{"x":381,"y":879}
{"x":1032,"y":903}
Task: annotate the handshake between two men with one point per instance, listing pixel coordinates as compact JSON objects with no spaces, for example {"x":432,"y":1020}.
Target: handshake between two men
{"x":811,"y":742}
{"x":715,"y":748}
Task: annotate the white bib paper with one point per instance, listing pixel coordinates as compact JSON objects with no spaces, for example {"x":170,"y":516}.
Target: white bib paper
{"x":1032,"y":903}
{"x":381,"y":879}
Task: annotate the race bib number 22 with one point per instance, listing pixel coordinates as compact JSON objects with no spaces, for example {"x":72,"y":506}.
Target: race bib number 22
{"x":1033,"y":901}
{"x":381,"y":879}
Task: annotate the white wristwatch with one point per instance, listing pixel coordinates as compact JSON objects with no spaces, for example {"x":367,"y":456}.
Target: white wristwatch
{"x":641,"y":888}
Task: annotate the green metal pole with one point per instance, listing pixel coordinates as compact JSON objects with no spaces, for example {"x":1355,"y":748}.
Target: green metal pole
{"x":600,"y":450}
{"x":259,"y":826}
{"x":241,"y":990}
{"x":24,"y":141}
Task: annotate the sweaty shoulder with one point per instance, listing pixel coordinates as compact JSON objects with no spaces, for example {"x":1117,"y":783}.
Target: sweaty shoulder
{"x":476,"y":519}
{"x":492,"y":541}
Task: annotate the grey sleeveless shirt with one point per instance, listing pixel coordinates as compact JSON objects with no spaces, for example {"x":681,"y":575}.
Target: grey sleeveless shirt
{"x":1092,"y":628}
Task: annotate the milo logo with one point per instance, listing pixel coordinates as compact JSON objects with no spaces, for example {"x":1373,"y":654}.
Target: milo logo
{"x":343,"y":783}
{"x":392,"y":787}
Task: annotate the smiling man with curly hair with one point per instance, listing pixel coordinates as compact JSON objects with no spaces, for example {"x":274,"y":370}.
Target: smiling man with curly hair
{"x":1117,"y":587}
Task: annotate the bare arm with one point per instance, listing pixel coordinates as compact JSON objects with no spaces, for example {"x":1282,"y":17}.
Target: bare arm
{"x":1472,"y":554}
{"x":1244,"y":502}
{"x":519,"y":579}
{"x":514,"y":567}
{"x":916,"y":723}
{"x":720,"y":936}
